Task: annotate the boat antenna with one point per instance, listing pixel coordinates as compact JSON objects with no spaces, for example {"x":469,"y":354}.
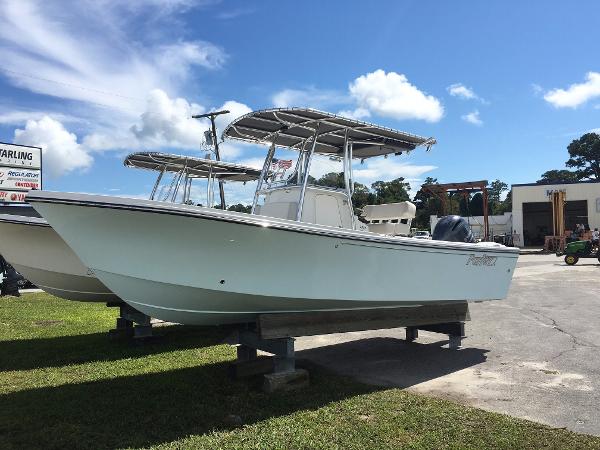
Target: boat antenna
{"x":211,"y":116}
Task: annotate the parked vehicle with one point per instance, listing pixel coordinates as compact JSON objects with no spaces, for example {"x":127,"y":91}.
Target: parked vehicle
{"x":422,"y":234}
{"x":579,"y":249}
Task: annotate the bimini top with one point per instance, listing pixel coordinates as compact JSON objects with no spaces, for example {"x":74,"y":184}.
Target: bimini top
{"x":295,"y":127}
{"x":194,"y":167}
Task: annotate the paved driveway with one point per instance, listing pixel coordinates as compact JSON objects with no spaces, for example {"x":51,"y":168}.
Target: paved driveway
{"x":534,"y":355}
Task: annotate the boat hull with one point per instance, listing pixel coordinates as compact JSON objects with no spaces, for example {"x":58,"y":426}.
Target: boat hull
{"x":35,"y":250}
{"x":194,"y":265}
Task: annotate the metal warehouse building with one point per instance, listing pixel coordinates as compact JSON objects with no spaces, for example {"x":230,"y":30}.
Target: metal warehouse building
{"x":532,"y":209}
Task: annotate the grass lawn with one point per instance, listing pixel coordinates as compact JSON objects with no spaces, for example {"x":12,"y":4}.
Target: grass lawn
{"x":64,"y":384}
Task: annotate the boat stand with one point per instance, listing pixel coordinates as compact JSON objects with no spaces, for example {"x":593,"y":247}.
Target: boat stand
{"x":454,"y":330}
{"x":280,"y":371}
{"x":131,"y":323}
{"x":274,"y":333}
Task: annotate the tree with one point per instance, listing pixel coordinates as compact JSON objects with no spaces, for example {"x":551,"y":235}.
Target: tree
{"x":427,"y":205}
{"x":585,"y":156}
{"x":506,"y":205}
{"x":422,"y":196}
{"x":362,"y":196}
{"x":558,"y":176}
{"x":332,"y":179}
{"x":391,"y":191}
{"x":240,"y":208}
{"x":495,"y":190}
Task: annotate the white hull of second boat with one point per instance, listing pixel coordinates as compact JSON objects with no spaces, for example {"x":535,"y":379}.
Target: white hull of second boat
{"x":195,"y":265}
{"x":34,"y":249}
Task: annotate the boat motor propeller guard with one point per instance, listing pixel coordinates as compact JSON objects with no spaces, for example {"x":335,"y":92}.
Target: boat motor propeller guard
{"x":453,"y":229}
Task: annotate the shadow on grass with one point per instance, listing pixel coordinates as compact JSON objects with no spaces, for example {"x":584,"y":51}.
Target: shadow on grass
{"x":387,"y":361}
{"x":150,"y":409}
{"x":145,"y":410}
{"x":60,"y":351}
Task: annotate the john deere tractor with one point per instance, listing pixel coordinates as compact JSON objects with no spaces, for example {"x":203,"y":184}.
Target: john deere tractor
{"x":579,"y":249}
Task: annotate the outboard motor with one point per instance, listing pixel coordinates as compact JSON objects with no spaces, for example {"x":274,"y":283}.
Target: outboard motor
{"x":453,"y":229}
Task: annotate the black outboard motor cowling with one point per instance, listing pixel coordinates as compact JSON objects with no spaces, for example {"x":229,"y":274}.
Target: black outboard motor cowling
{"x":453,"y":229}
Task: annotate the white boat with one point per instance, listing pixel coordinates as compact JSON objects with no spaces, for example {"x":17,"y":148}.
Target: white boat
{"x":35,"y":250}
{"x":301,"y":248}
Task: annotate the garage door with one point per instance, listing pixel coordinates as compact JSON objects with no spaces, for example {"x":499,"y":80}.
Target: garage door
{"x":537,"y":223}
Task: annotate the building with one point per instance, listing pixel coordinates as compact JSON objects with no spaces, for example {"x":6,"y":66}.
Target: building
{"x":532,"y":209}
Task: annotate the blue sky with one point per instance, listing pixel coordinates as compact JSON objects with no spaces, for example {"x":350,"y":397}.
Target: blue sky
{"x":503,"y":86}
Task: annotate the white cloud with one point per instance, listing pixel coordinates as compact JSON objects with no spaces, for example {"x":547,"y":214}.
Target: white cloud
{"x":473,"y":118}
{"x":61,"y":152}
{"x":310,"y":97}
{"x":236,"y":109}
{"x":392,"y":95}
{"x":183,"y":55}
{"x":234,"y":13}
{"x":388,"y":169}
{"x":20,"y":117}
{"x":537,"y":89}
{"x":461,"y":91}
{"x":169,"y":121}
{"x":358,"y":113}
{"x":576,"y":94}
{"x":49,"y":51}
{"x":257,"y":163}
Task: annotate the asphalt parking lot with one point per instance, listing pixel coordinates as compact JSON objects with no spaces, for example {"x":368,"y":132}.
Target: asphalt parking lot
{"x":533,"y":355}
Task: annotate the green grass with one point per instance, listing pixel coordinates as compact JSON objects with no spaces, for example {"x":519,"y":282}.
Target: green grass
{"x":64,"y":384}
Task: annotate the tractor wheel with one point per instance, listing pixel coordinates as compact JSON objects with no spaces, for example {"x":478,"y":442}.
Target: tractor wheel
{"x":571,"y":260}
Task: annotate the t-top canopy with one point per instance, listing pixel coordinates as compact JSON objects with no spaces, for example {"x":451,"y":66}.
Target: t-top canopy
{"x":294,"y":128}
{"x":195,"y":167}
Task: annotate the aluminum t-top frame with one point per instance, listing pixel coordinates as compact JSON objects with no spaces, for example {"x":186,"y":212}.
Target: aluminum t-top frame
{"x":187,"y":168}
{"x":311,"y":131}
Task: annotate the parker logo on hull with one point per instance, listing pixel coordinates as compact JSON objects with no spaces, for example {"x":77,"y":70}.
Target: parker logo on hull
{"x":482,"y":260}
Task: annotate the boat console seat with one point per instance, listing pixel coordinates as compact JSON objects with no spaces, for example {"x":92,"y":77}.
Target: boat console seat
{"x":392,"y":219}
{"x":322,"y":206}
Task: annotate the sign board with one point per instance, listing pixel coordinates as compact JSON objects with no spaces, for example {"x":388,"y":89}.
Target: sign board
{"x":12,"y":155}
{"x":20,"y":171}
{"x":19,"y":179}
{"x":12,"y":196}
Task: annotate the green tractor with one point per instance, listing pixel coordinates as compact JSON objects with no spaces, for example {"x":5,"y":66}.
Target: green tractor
{"x":579,"y":249}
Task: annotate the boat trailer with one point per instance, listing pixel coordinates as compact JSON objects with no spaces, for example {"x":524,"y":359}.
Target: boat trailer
{"x":275,"y":333}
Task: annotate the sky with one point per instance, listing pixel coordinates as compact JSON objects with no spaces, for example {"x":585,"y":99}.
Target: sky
{"x":504,"y":86}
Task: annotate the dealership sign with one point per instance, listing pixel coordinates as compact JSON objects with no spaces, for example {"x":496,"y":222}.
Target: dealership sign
{"x":19,"y":179}
{"x":20,"y":156}
{"x":12,"y":196}
{"x":20,"y":171}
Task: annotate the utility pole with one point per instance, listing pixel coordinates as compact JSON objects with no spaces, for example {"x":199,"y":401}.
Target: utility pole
{"x":211,"y":116}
